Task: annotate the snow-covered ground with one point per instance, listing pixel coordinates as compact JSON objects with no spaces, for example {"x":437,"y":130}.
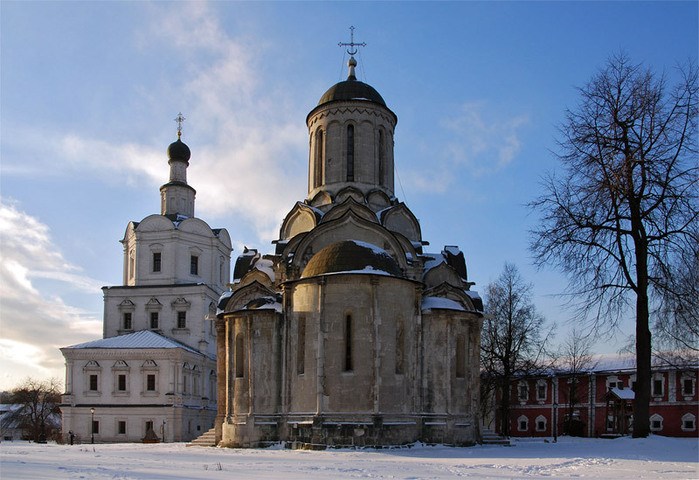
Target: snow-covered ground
{"x":624,"y":458}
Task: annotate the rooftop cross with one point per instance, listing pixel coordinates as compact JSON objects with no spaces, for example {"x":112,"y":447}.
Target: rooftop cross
{"x":353,"y":46}
{"x":179,"y":119}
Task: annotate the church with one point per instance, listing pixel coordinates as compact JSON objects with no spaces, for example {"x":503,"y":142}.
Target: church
{"x":152,"y":377}
{"x":350,"y":333}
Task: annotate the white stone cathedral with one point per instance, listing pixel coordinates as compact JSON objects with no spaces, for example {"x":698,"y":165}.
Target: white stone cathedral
{"x":153,"y":376}
{"x":350,"y":333}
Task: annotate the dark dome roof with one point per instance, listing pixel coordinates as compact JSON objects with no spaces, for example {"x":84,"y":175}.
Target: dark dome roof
{"x":351,"y":256}
{"x":351,"y":89}
{"x":178,"y":151}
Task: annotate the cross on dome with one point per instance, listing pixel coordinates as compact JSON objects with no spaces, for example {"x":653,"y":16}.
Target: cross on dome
{"x":179,"y":119}
{"x":353,"y":46}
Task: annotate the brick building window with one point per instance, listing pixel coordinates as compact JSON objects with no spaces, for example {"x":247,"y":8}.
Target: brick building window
{"x":689,"y":422}
{"x":523,"y":391}
{"x":540,"y":423}
{"x":656,"y":423}
{"x":522,"y":424}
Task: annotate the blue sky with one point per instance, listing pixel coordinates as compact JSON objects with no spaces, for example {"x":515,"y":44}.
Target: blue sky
{"x":89,"y":91}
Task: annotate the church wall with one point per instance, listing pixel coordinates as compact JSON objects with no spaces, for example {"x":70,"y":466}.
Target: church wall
{"x":182,"y":412}
{"x":197,"y":302}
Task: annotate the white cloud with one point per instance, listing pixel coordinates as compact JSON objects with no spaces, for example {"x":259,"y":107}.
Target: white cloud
{"x":35,"y":321}
{"x":481,"y":142}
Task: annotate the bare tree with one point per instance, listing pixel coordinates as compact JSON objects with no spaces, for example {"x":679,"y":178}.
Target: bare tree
{"x":575,"y":360}
{"x":37,"y":411}
{"x":676,"y":322}
{"x":626,"y":204}
{"x":511,"y":341}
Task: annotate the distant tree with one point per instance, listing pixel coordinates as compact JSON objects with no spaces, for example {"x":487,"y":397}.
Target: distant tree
{"x":37,"y":409}
{"x":511,"y":341}
{"x":676,"y":322}
{"x":575,"y":360}
{"x":625,"y":206}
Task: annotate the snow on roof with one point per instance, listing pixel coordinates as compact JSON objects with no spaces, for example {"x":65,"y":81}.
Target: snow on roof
{"x":266,"y":266}
{"x":429,"y":303}
{"x":473,"y":295}
{"x":623,"y":393}
{"x":140,"y":339}
{"x":432,"y":260}
{"x":453,"y":249}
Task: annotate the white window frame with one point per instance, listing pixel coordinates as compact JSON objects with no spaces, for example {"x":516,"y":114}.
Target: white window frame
{"x":149,"y":367}
{"x":686,"y":418}
{"x":538,"y":420}
{"x":691,"y":377}
{"x":542,"y":383}
{"x":523,"y":386}
{"x":656,"y":418}
{"x":520,"y":419}
{"x":654,"y":378}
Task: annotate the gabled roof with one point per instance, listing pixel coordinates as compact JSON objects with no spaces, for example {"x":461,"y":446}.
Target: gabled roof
{"x":140,"y":339}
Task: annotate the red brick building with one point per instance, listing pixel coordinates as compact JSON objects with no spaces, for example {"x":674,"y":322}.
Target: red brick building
{"x":600,"y":402}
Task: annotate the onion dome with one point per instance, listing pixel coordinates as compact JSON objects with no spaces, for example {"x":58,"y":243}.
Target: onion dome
{"x":351,"y":89}
{"x":351,"y":256}
{"x":179,"y":151}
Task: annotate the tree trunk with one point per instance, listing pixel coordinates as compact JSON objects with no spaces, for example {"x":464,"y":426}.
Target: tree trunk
{"x":505,"y":407}
{"x":641,"y":414}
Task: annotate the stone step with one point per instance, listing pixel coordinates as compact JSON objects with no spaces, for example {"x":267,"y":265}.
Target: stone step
{"x":207,"y":439}
{"x":488,"y":437}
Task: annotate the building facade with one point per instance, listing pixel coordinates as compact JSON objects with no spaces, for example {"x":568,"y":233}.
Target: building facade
{"x":153,"y":374}
{"x":349,"y":333}
{"x":600,"y":402}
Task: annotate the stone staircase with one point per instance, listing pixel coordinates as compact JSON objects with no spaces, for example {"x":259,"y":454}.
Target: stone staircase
{"x":489,"y":437}
{"x":207,"y":439}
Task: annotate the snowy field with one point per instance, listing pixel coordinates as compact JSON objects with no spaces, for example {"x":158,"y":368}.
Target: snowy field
{"x":624,"y":458}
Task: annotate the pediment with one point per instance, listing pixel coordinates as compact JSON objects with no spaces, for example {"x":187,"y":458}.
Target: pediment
{"x":244,"y":295}
{"x":350,"y":226}
{"x":350,"y":204}
{"x":321,"y":198}
{"x":450,"y":292}
{"x":349,"y":192}
{"x":400,"y":219}
{"x":378,"y":200}
{"x":442,"y":274}
{"x":302,"y":218}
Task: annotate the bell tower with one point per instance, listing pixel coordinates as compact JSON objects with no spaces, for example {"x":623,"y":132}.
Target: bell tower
{"x":176,"y":196}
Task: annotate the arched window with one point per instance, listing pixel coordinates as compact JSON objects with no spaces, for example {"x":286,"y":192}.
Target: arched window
{"x":318,"y":165}
{"x":382,"y":158}
{"x":350,"y":153}
{"x":348,"y":343}
{"x":522,"y":423}
{"x":460,"y":356}
{"x":239,"y":355}
{"x":301,"y":346}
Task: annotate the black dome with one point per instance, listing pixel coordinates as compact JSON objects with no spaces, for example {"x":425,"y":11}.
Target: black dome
{"x":351,"y":256}
{"x":178,"y":151}
{"x":351,"y":89}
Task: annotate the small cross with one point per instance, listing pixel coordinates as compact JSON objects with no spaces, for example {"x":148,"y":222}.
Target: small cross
{"x":352,"y":50}
{"x":179,"y":119}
